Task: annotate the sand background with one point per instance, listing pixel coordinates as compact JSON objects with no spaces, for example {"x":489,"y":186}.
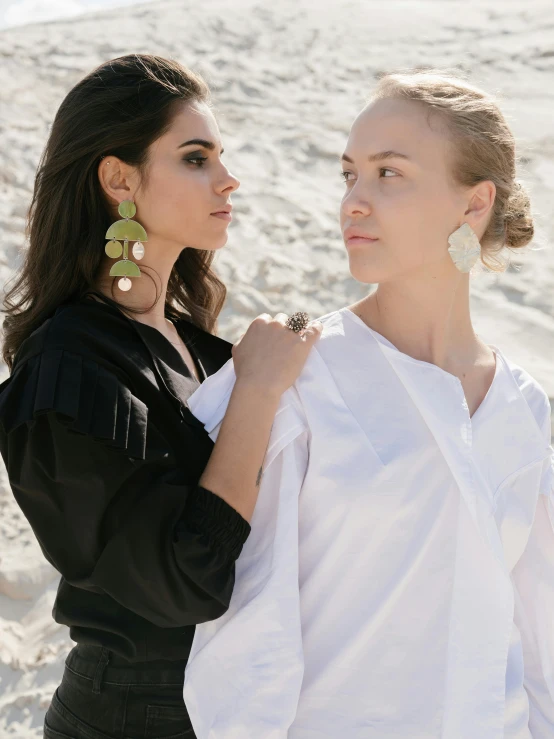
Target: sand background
{"x":287,"y":79}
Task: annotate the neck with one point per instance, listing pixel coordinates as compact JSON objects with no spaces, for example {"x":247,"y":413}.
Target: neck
{"x":427,"y":318}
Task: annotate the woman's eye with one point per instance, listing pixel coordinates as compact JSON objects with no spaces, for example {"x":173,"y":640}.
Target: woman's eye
{"x":346,"y":174}
{"x":196,"y":161}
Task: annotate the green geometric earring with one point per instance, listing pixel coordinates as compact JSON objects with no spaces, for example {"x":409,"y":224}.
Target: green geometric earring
{"x":128,"y":231}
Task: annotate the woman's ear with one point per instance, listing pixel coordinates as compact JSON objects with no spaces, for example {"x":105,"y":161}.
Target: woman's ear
{"x":114,"y":176}
{"x":480,"y":206}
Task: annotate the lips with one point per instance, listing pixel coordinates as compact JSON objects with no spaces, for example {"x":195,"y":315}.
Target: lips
{"x":353,"y":232}
{"x":225,"y":209}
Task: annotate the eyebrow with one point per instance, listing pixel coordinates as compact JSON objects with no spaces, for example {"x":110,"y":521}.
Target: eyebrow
{"x":200,"y":142}
{"x":379,"y":156}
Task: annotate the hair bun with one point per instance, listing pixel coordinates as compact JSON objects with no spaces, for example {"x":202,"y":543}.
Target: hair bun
{"x":518,"y":219}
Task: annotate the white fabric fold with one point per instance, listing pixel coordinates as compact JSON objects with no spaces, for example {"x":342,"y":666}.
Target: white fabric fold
{"x":245,"y":669}
{"x":533,"y":578}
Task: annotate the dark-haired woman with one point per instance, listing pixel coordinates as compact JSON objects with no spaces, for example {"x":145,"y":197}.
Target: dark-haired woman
{"x":128,"y":496}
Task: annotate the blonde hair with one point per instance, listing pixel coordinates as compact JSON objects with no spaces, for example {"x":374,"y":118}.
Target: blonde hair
{"x":483,"y":146}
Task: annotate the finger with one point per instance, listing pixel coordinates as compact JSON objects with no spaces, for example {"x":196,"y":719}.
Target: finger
{"x":281,"y":318}
{"x":312,"y":330}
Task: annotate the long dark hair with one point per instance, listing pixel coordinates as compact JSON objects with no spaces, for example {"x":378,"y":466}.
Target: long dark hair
{"x":120,"y":108}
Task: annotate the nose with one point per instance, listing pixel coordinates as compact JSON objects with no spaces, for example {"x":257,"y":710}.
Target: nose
{"x":355,"y":204}
{"x":229,"y":183}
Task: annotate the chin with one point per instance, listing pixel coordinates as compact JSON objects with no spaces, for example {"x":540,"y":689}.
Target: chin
{"x":367,"y":274}
{"x":211,"y":245}
{"x":220,"y":245}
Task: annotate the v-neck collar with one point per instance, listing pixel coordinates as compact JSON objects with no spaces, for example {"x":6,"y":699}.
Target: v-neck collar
{"x":165,"y":350}
{"x":422,"y":363}
{"x":171,"y":351}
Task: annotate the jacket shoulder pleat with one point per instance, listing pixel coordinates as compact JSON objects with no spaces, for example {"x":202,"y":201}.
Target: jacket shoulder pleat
{"x":89,"y":398}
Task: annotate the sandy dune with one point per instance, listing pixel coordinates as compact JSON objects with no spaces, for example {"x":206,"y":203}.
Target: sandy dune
{"x":287,"y":79}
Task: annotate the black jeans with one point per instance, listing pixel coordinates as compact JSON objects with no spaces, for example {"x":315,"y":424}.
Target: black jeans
{"x":103,"y":696}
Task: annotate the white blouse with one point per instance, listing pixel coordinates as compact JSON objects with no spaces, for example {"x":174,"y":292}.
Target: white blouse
{"x":398,"y":580}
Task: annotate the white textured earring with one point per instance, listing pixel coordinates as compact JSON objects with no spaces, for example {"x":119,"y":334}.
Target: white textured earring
{"x":464,"y":248}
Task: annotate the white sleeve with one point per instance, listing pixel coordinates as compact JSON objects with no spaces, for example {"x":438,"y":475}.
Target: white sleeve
{"x":533,"y":578}
{"x":210,"y":400}
{"x":245,"y":669}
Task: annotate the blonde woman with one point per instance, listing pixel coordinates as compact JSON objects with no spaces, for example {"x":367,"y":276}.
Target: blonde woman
{"x":398,"y":581}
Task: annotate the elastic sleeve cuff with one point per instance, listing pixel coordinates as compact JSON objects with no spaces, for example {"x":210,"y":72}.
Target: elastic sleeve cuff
{"x":213,"y":516}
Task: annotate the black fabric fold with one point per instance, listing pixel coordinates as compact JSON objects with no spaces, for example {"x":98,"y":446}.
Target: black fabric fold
{"x":90,"y":399}
{"x":211,"y":514}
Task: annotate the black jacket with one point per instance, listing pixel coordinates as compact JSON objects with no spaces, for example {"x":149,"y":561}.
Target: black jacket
{"x":104,"y":457}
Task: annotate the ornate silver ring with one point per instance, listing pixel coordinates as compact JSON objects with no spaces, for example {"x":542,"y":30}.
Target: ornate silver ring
{"x":297,"y":321}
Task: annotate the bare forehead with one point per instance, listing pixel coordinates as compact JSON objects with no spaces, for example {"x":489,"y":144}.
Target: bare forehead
{"x":396,"y":124}
{"x":194,"y":120}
